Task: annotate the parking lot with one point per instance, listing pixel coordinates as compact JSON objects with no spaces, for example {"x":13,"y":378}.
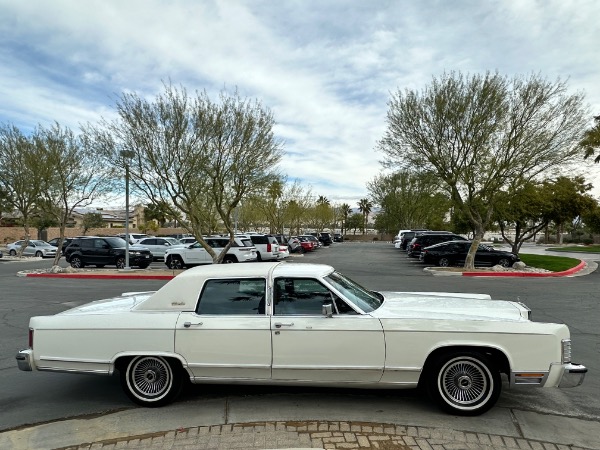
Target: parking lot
{"x":30,"y":398}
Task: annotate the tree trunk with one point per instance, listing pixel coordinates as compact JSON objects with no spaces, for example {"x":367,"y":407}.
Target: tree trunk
{"x":470,"y":260}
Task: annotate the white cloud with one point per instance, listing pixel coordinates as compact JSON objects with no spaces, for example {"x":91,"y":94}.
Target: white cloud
{"x":325,"y":68}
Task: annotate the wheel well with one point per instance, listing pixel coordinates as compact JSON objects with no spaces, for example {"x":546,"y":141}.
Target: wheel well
{"x":121,"y":362}
{"x":495,"y":355}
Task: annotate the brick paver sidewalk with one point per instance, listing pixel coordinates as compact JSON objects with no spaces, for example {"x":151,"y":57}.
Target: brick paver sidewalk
{"x":327,"y":435}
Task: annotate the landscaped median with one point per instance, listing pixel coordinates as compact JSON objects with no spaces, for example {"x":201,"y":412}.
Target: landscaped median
{"x":536,"y":266}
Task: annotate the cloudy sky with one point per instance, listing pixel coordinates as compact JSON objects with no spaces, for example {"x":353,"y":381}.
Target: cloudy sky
{"x":324,"y":67}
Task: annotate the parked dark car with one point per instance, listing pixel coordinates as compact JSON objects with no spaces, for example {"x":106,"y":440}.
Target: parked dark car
{"x":455,"y":253}
{"x":105,"y":251}
{"x":337,"y":237}
{"x":408,"y":236}
{"x":323,"y":237}
{"x":427,"y":238}
{"x":65,"y":244}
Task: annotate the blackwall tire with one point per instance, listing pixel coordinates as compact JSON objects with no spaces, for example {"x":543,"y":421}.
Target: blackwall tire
{"x":120,"y":262}
{"x":175,"y":263}
{"x":504,"y":262}
{"x":465,"y":383}
{"x":444,"y":262}
{"x":152,"y":381}
{"x":76,"y":262}
{"x":12,"y":253}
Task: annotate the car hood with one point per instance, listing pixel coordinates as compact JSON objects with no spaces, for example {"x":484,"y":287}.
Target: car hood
{"x":133,"y":247}
{"x":110,"y":305}
{"x":450,"y":306}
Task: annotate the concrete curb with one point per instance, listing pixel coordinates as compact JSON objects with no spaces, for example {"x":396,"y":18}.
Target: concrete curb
{"x":442,"y":273}
{"x":564,"y":273}
{"x":97,"y":276}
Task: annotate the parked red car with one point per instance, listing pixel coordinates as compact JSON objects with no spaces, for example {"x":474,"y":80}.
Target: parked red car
{"x":307,"y":245}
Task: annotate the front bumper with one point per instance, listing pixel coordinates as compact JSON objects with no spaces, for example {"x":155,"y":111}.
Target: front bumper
{"x":573,"y":375}
{"x":24,"y":360}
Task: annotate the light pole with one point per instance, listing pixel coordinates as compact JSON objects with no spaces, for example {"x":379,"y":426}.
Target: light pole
{"x":127,"y":154}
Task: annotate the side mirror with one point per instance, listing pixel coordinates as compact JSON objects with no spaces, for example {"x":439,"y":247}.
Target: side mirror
{"x":166,"y":244}
{"x":327,"y":310}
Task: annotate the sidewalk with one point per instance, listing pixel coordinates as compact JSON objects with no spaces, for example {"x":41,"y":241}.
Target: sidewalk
{"x":130,"y":430}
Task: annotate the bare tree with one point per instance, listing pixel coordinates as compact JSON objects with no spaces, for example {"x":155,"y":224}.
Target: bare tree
{"x":480,"y":134}
{"x":23,"y":172}
{"x":199,"y":156}
{"x":76,"y":177}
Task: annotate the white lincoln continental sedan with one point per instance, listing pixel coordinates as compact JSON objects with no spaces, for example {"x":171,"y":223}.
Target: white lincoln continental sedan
{"x":303,"y":324}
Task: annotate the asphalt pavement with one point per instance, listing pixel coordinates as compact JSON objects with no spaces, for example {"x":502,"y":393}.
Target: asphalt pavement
{"x":256,"y":418}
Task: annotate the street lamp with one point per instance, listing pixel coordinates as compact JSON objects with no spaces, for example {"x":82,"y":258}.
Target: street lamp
{"x":127,"y":154}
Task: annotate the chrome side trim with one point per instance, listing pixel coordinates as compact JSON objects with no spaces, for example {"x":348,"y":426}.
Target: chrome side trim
{"x":229,"y":366}
{"x":319,"y":368}
{"x":75,"y":360}
{"x":63,"y":370}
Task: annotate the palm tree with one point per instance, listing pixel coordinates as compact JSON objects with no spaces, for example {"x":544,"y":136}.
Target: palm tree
{"x":345,"y":211}
{"x":364,"y":206}
{"x":322,"y":200}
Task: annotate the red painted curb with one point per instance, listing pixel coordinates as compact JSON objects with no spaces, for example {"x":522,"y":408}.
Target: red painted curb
{"x":564,"y":273}
{"x":100,"y":276}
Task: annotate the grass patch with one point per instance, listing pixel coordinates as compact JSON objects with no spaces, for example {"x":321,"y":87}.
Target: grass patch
{"x":553,"y":263}
{"x":575,"y":248}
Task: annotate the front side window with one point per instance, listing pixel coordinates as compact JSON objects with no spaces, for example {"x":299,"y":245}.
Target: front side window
{"x":305,"y":296}
{"x":232,"y":297}
{"x":363,"y":298}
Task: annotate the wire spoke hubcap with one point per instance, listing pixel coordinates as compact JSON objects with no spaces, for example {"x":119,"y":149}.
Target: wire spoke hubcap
{"x":464,"y":382}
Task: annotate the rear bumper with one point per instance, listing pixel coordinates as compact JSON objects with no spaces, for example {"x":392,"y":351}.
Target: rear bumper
{"x":24,"y":360}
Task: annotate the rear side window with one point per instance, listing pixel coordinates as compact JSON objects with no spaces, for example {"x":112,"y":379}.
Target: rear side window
{"x":259,"y":239}
{"x":87,"y":243}
{"x":232,"y":297}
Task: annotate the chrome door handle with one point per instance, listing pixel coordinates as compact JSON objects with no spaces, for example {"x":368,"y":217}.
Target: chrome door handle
{"x":279,"y":324}
{"x":190,"y":324}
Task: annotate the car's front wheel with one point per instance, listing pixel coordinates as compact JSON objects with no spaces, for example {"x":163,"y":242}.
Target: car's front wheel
{"x":229,"y":259}
{"x":12,"y":253}
{"x":39,"y":254}
{"x":120,"y":262}
{"x":444,"y":262}
{"x":464,"y":383}
{"x":504,"y":262}
{"x":152,"y":380}
{"x":77,"y":262}
{"x":175,"y":262}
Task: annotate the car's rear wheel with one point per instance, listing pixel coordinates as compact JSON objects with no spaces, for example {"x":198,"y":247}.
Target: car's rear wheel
{"x":175,"y":263}
{"x":12,"y":253}
{"x":39,"y":254}
{"x":229,"y":259}
{"x":444,"y":262}
{"x":77,"y":262}
{"x":152,"y":380}
{"x":258,"y":257}
{"x":504,"y":262}
{"x":464,"y":383}
{"x":120,"y":262}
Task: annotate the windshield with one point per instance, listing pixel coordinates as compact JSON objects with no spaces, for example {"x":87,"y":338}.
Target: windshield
{"x":363,"y":298}
{"x":115,"y":242}
{"x":172,"y":241}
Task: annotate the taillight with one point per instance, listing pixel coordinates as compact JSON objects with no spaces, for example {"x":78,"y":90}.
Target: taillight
{"x":31,"y":338}
{"x":268,"y":247}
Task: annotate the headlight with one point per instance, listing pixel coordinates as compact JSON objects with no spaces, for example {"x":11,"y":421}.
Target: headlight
{"x":135,"y":253}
